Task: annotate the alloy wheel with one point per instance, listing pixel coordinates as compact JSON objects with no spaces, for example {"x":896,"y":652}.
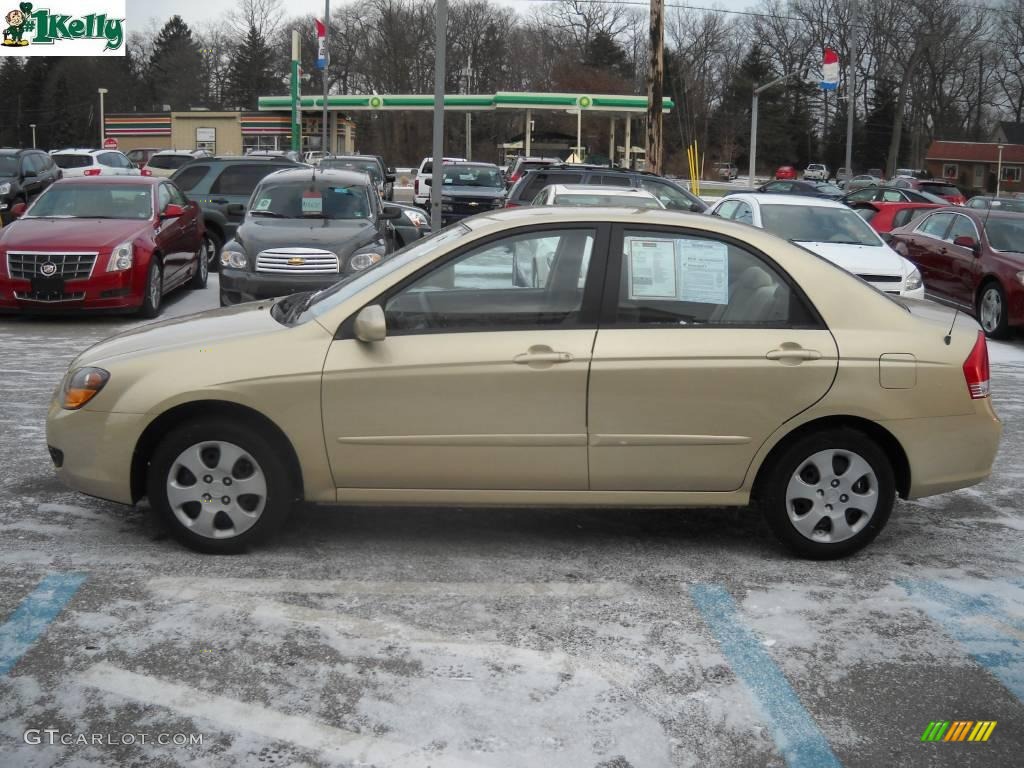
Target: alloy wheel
{"x":209,"y":251}
{"x":991,"y":309}
{"x":156,"y":287}
{"x":216,"y":489}
{"x":832,"y":495}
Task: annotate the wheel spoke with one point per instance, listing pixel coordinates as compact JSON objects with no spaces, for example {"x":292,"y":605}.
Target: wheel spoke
{"x":857,"y":469}
{"x":203,"y":524}
{"x":190,"y":459}
{"x":229,"y":455}
{"x":841,"y":530}
{"x":807,"y":523}
{"x":178,"y":495}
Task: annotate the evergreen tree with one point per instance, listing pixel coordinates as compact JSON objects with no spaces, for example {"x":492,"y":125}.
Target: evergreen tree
{"x":251,"y":73}
{"x":175,"y":66}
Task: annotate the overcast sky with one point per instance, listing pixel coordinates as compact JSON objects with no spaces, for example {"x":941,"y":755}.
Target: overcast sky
{"x":141,"y":13}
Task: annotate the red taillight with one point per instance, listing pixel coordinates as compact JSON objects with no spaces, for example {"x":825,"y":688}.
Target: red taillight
{"x":92,"y":171}
{"x":146,"y":172}
{"x":509,"y":204}
{"x":976,"y":369}
{"x":514,"y":178}
{"x":416,"y":187}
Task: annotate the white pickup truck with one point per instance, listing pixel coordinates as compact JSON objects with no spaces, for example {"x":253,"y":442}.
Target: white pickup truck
{"x":816,"y":172}
{"x":420,"y":188}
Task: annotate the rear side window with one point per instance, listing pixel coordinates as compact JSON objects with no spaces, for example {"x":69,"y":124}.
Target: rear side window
{"x":935,"y":225}
{"x":538,"y":180}
{"x":609,"y":181}
{"x":168,"y":162}
{"x":241,"y":179}
{"x":109,"y":159}
{"x":72,"y":161}
{"x":187,"y":178}
{"x":37,"y":163}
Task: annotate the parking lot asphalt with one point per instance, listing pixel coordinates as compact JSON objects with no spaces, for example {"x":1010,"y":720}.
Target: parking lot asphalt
{"x":498,"y":637}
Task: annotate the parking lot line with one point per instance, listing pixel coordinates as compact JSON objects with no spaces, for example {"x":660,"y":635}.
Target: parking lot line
{"x":981,"y":625}
{"x":796,"y":734}
{"x":31,"y":618}
{"x":233,"y":716}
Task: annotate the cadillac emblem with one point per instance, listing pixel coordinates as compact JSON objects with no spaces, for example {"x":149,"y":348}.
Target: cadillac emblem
{"x":48,"y":269}
{"x":296,"y":261}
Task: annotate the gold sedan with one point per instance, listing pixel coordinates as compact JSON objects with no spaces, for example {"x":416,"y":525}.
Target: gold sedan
{"x":662,"y":360}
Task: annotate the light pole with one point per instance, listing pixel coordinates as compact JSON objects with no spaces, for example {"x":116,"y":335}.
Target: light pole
{"x":440,"y":42}
{"x":33,"y":127}
{"x":753,"y":121}
{"x":579,"y":132}
{"x":325,"y":148}
{"x":103,"y":127}
{"x":999,"y":172}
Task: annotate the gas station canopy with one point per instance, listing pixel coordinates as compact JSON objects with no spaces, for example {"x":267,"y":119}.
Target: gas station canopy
{"x":559,"y":102}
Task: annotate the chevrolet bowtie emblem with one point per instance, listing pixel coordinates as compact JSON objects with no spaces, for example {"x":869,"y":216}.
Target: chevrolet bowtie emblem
{"x":296,"y":261}
{"x":473,"y":205}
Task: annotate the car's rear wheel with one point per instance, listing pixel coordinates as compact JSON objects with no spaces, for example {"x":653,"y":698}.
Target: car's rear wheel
{"x":991,"y":310}
{"x":153,"y":299}
{"x":202,"y":273}
{"x":218,"y":486}
{"x":829,"y":493}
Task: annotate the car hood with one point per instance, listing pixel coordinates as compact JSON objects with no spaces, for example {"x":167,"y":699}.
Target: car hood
{"x":341,"y":237}
{"x":199,"y":330}
{"x":860,"y":259}
{"x":55,"y":235}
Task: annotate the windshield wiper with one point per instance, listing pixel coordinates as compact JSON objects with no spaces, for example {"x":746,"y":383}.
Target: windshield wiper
{"x":300,"y":304}
{"x":268,"y":213}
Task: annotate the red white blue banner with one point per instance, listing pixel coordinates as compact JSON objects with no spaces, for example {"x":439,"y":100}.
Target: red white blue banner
{"x":830,"y":70}
{"x":321,"y":45}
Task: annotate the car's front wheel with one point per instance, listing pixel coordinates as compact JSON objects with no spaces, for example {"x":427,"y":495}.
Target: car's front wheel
{"x":829,"y":493}
{"x":202,"y":273}
{"x":218,"y":486}
{"x":153,"y":299}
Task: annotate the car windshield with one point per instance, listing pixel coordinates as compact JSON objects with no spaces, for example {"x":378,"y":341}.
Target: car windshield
{"x":344,"y":164}
{"x":72,"y":161}
{"x":317,"y":199}
{"x":324,"y":301}
{"x":473,"y":176}
{"x":829,"y":189}
{"x":94,"y":201}
{"x":168,"y":162}
{"x":8,"y":165}
{"x":615,"y":201}
{"x":817,"y":224}
{"x":1006,"y":234}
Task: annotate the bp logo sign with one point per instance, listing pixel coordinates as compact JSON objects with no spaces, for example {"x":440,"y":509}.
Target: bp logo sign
{"x":376,"y":102}
{"x":584,"y":102}
{"x":29,"y":31}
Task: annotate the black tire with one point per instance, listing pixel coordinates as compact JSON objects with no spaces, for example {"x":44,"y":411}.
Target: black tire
{"x":152,"y":301}
{"x":796,"y":457}
{"x":277,"y":497}
{"x":1000,"y":327}
{"x":202,"y":273}
{"x":216,"y":242}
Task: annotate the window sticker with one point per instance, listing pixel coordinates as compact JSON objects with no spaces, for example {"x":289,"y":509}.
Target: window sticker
{"x":705,"y":267}
{"x":263,"y":204}
{"x":312,"y":204}
{"x":652,"y":268}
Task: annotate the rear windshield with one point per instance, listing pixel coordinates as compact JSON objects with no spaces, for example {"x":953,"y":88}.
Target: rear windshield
{"x":168,"y":162}
{"x":72,"y":161}
{"x":940,"y":189}
{"x":614,"y":201}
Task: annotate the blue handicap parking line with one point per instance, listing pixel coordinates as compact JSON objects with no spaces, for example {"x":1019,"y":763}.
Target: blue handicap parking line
{"x":31,"y":618}
{"x":796,"y":734}
{"x":978,"y":622}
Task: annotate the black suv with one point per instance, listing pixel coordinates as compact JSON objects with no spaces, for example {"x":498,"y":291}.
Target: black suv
{"x":672,"y":195}
{"x":222,"y":186}
{"x":24,"y":173}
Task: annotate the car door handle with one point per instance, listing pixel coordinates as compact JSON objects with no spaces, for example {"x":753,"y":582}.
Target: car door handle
{"x":543,"y":355}
{"x":793,"y":353}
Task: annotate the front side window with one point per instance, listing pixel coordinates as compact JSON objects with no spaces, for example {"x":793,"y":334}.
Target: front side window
{"x":935,"y":225}
{"x":187,"y":178}
{"x":726,"y":209}
{"x":685,"y":280}
{"x":521,"y":281}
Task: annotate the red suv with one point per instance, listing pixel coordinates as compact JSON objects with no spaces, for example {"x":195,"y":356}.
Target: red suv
{"x":944,"y":189}
{"x":970,"y":259}
{"x":101,"y":243}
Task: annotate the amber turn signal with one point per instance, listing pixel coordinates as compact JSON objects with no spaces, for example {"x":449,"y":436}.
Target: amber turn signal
{"x":82,"y":386}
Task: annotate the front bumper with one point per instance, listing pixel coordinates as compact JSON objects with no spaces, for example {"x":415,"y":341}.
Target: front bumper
{"x":238,"y":285}
{"x":96,"y":450}
{"x":103,"y":291}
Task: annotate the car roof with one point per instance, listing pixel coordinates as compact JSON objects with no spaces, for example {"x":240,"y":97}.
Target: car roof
{"x":601,"y":189}
{"x":16,"y":151}
{"x":308,"y":173}
{"x":140,"y":181}
{"x":767,"y":198}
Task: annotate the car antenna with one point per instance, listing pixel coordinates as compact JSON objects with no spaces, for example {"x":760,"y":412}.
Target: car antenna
{"x":949,"y":334}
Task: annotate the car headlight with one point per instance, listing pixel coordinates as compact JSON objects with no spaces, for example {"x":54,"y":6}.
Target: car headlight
{"x":233,"y":258}
{"x":5,"y":189}
{"x":418,"y":219}
{"x":1020,"y":278}
{"x":121,"y":258}
{"x":913,"y":281}
{"x":361,"y":261}
{"x":81,"y":386}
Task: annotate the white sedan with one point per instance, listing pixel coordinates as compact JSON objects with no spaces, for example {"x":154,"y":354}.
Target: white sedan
{"x":831,"y":230}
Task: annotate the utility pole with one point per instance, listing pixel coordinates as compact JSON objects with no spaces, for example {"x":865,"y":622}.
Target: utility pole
{"x":326,"y":56}
{"x":296,"y":119}
{"x":655,"y":75}
{"x":851,"y":87}
{"x":437,"y":167}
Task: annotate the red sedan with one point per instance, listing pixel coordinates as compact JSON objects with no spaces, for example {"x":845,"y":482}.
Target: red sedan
{"x":886,"y":216}
{"x":970,"y":259}
{"x":104,"y":243}
{"x":944,"y":189}
{"x":785,"y":172}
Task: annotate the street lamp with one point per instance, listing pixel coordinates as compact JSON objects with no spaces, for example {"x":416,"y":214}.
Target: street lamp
{"x":103,"y":135}
{"x":999,"y":172}
{"x":33,"y":127}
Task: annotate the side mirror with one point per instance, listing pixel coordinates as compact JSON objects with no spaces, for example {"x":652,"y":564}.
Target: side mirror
{"x":389,"y":177}
{"x":966,"y":241}
{"x":236,"y":209}
{"x":391,"y":212}
{"x":172,"y":211}
{"x":370,"y":325}
{"x":18,"y":210}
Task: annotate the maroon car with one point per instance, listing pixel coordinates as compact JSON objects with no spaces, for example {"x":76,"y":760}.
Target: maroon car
{"x":970,"y":259}
{"x":105,"y":243}
{"x":939,"y":187}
